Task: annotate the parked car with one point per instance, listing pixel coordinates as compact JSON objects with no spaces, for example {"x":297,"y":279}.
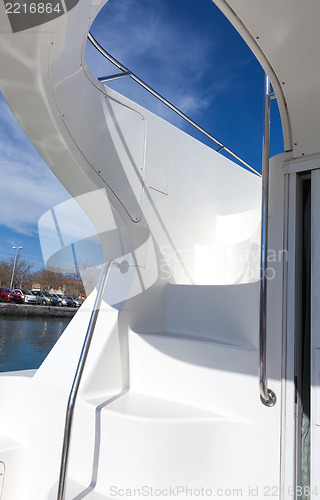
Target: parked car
{"x":41,"y":298}
{"x":13,"y":297}
{"x":4,"y":296}
{"x":76,"y":301}
{"x":67,"y":301}
{"x":26,"y":295}
{"x":59,"y":298}
{"x":53,"y":300}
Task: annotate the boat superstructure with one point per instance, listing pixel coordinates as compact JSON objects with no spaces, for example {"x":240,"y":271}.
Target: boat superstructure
{"x":163,"y":359}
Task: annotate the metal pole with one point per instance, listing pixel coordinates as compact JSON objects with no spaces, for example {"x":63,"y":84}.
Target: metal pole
{"x":267,"y":396}
{"x":77,"y":379}
{"x":14,"y":264}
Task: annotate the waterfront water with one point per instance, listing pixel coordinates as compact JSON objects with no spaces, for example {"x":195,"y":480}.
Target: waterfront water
{"x":25,"y":342}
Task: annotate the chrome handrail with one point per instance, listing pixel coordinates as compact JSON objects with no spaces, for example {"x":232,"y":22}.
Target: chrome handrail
{"x":78,"y":375}
{"x":267,"y":396}
{"x":127,"y":72}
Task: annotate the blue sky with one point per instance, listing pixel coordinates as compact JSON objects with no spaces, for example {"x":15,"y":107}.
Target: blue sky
{"x":184,"y":49}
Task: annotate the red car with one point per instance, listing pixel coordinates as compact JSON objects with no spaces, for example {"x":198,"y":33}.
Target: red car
{"x":12,"y":296}
{"x":4,"y":297}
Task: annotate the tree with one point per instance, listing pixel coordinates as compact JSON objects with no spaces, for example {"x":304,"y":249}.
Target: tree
{"x":22,"y":277}
{"x":89,"y":276}
{"x":5,"y":273}
{"x":80,"y":283}
{"x":48,"y":279}
{"x":73,"y":284}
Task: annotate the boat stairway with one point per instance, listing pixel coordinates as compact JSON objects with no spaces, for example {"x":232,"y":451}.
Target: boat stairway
{"x":180,"y":398}
{"x":166,"y":428}
{"x":141,"y":440}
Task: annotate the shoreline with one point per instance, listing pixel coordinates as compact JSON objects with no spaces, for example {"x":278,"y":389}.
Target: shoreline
{"x":36,"y":310}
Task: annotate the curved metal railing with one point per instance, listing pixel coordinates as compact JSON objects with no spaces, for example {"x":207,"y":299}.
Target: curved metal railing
{"x":126,"y":72}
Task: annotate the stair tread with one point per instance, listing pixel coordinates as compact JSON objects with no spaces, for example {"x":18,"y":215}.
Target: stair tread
{"x":142,"y":405}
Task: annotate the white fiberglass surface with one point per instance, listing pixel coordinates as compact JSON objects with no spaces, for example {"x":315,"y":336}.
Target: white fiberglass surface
{"x":177,"y":333}
{"x":199,"y":233}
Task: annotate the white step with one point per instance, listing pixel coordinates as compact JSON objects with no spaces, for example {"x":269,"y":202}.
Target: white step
{"x":136,"y":434}
{"x":219,"y":314}
{"x":132,"y":405}
{"x":140,"y":440}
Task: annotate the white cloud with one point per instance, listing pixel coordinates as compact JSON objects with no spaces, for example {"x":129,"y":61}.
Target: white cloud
{"x":27,"y":192}
{"x":28,"y":187}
